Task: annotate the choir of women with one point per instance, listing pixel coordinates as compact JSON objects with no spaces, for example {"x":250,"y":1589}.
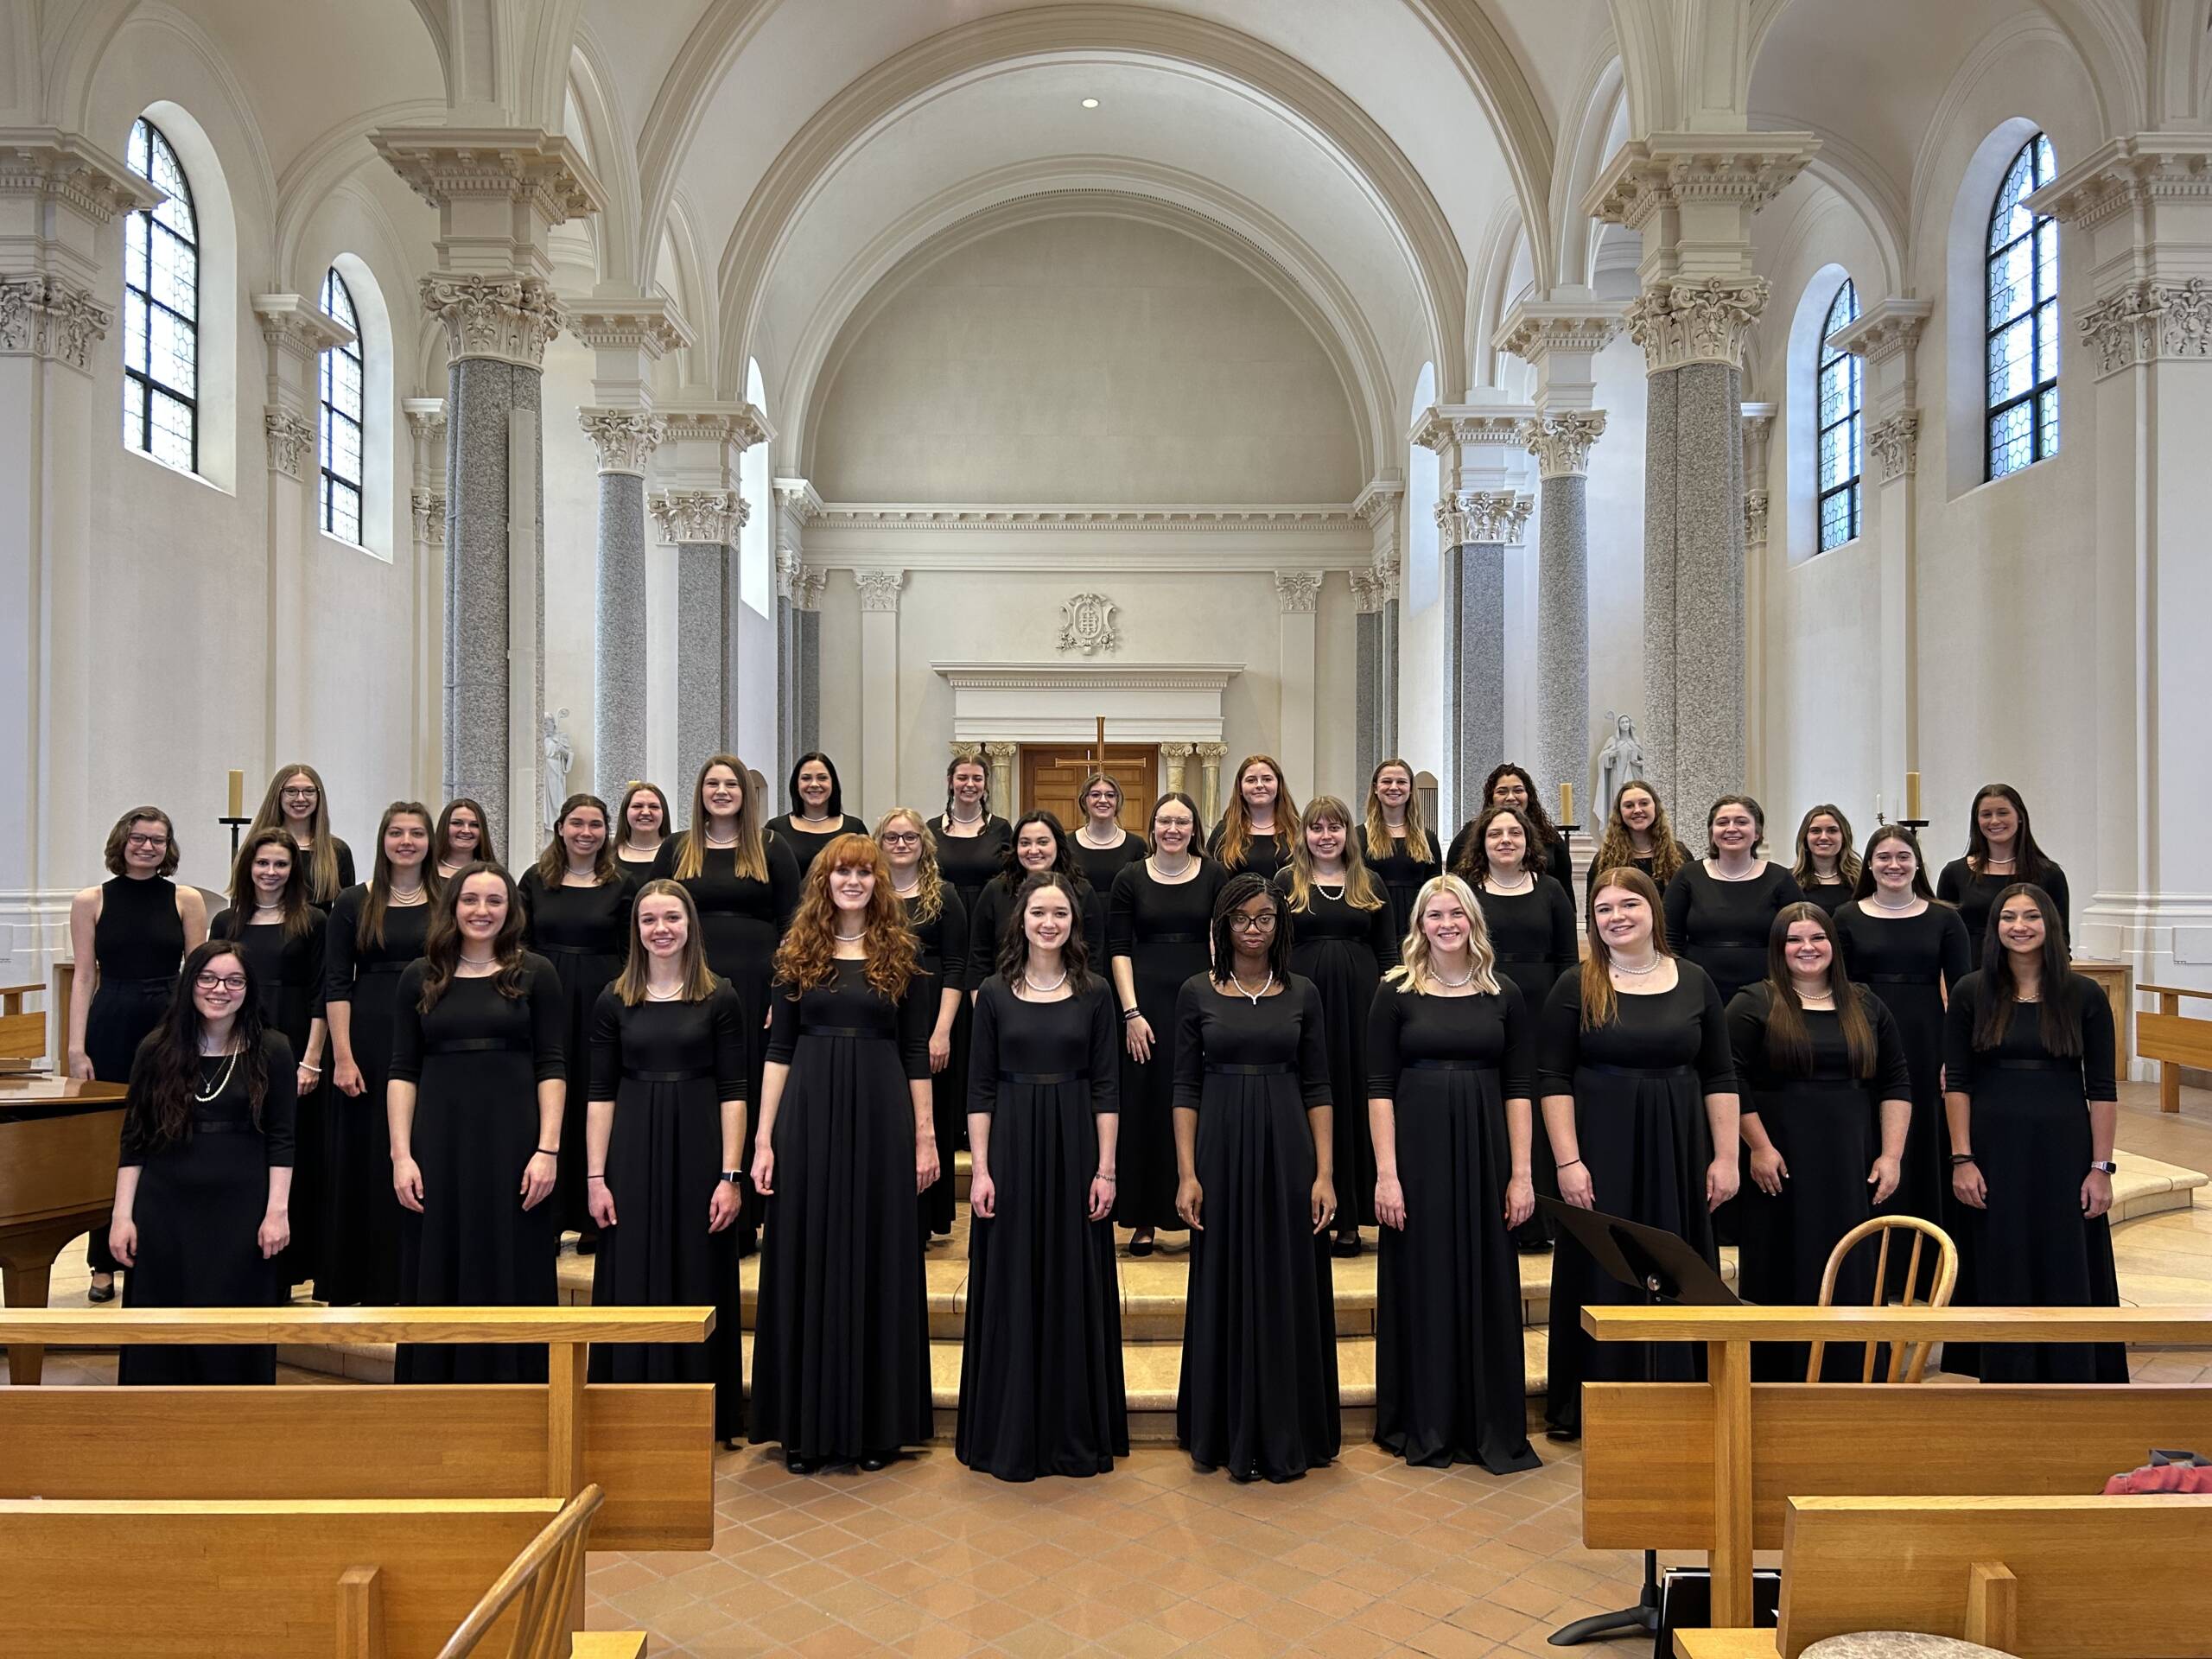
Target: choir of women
{"x":841,"y":1370}
{"x":939,"y":919}
{"x":1101,"y":846}
{"x":664,"y":1146}
{"x":479,"y":1083}
{"x":1638,"y":837}
{"x":640,"y":825}
{"x":2000,"y":850}
{"x":1826,"y":1100}
{"x":1342,"y":939}
{"x":1159,"y":921}
{"x":1252,"y":1148}
{"x":460,"y":838}
{"x":817,"y":815}
{"x":1721,"y":907}
{"x":1827,"y":870}
{"x":1400,"y":848}
{"x":1451,"y":1072}
{"x":1041,"y":1390}
{"x":297,"y":804}
{"x":1257,"y":827}
{"x":203,"y":1186}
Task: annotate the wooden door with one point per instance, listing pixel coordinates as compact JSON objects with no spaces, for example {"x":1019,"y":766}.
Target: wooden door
{"x":1052,"y":778}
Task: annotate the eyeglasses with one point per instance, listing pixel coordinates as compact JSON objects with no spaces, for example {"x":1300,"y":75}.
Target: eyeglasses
{"x":137,"y":840}
{"x":221,"y":982}
{"x":305,"y":793}
{"x":1263,"y":922}
{"x":900,"y":838}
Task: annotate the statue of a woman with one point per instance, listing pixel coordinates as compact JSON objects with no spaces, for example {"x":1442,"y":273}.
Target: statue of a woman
{"x":1619,"y":762}
{"x":553,"y":781}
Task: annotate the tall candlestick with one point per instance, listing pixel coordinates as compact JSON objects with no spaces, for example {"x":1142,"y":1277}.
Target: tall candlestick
{"x":1567,"y":803}
{"x":237,"y":793}
{"x":1879,"y":819}
{"x":1912,"y":795}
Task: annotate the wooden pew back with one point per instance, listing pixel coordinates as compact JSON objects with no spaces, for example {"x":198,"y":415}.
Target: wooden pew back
{"x":22,"y":1035}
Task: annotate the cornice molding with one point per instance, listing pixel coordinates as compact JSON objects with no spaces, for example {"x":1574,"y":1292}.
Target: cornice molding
{"x":64,"y":166}
{"x":1470,"y":425}
{"x":1105,"y":676}
{"x":841,"y":516}
{"x":2146,"y":321}
{"x":1696,"y":320}
{"x":1647,"y":176}
{"x":1378,"y":501}
{"x":1884,"y":329}
{"x":508,"y":320}
{"x":2127,"y":172}
{"x":737,"y":424}
{"x":624,"y":438}
{"x":522,"y":165}
{"x":651,"y":327}
{"x":798,"y":497}
{"x":1561,"y":441}
{"x":1532,"y":328}
{"x":298,"y":323}
{"x":426,"y":416}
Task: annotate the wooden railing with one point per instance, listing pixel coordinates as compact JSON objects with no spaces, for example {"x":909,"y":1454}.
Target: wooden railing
{"x":2172,"y":1041}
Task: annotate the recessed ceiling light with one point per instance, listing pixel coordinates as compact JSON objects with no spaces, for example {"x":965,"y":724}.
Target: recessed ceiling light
{"x":1089,"y":102}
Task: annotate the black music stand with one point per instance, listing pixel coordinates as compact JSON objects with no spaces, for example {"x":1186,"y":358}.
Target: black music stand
{"x":1665,"y":1269}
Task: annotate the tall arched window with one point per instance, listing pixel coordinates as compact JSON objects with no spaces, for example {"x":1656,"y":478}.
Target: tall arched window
{"x":2023,"y":387}
{"x":343,"y":372}
{"x":161,"y":310}
{"x":1842,"y":420}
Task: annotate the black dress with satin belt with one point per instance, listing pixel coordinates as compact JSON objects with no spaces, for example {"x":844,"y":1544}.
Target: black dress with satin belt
{"x":1343,"y":950}
{"x":137,"y":941}
{"x":1258,"y":1392}
{"x":198,"y":1211}
{"x":1533,"y":935}
{"x":941,"y":941}
{"x":1723,"y":926}
{"x":1041,"y":1391}
{"x":585,"y":933}
{"x":1450,"y":1383}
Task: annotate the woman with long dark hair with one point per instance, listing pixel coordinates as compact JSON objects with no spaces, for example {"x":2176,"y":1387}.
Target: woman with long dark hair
{"x":1253,"y":1145}
{"x":1158,"y":920}
{"x":2032,"y":1096}
{"x":1101,"y":846}
{"x":1259,"y":824}
{"x":2000,"y":850}
{"x":1721,"y":907}
{"x":463,"y":836}
{"x":664,"y":1144}
{"x":375,"y":930}
{"x":1037,"y":843}
{"x":1400,"y":847}
{"x":1639,"y":1100}
{"x":1451,"y":1073}
{"x":203,"y":1187}
{"x":641,"y":824}
{"x":1510,"y":785}
{"x":1826,"y":871}
{"x":940,"y":920}
{"x":478,"y":1085}
{"x":845,"y":1145}
{"x":1637,"y":836}
{"x":817,"y":815}
{"x":1041,"y":1378}
{"x":576,"y":913}
{"x":126,"y":937}
{"x":1826,"y":1100}
{"x":278,"y":929}
{"x":1342,"y":939}
{"x":295,"y":802}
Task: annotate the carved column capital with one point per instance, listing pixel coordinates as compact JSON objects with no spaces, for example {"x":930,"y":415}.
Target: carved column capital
{"x":880,"y":589}
{"x":47,"y":316}
{"x":1213,"y":752}
{"x":510,"y":319}
{"x":428,"y":507}
{"x":999,"y":752}
{"x":1177,"y":751}
{"x":2144,"y":321}
{"x":1895,"y":443}
{"x":1298,"y":592}
{"x":1754,"y":502}
{"x":426,"y":418}
{"x":1561,"y":441}
{"x":807,"y":583}
{"x":291,"y":441}
{"x":1367,"y":594}
{"x":1499,"y":517}
{"x":625,"y":438}
{"x":698,"y":517}
{"x":1689,"y":321}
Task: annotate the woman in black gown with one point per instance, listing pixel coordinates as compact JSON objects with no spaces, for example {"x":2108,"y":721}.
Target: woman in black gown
{"x":1341,"y":941}
{"x":744,"y":885}
{"x":1511,"y":786}
{"x":845,"y":1145}
{"x":477,"y":1081}
{"x":2000,"y":850}
{"x":640,"y":825}
{"x":1638,"y":835}
{"x":1451,"y":1049}
{"x":1826,"y":1099}
{"x":295,"y":802}
{"x":1721,"y":907}
{"x":576,"y":913}
{"x":1400,"y":846}
{"x":1529,"y":920}
{"x":940,"y":920}
{"x":1826,"y":871}
{"x":1258,"y":1391}
{"x":278,"y":929}
{"x":1259,"y":824}
{"x":203,"y":1187}
{"x":463,"y":836}
{"x":664,"y":1144}
{"x":127,"y":936}
{"x":1038,"y":843}
{"x":817,"y":815}
{"x":375,"y":930}
{"x":2030,"y":1088}
{"x":1101,"y":846}
{"x":1158,"y":920}
{"x":971,"y":839}
{"x":1040,"y":1376}
{"x":1639,"y":1099}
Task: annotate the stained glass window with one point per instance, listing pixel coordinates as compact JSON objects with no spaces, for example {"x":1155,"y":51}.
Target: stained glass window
{"x":161,"y":310}
{"x":2022,"y":394}
{"x":1842,"y":420}
{"x":340,"y":436}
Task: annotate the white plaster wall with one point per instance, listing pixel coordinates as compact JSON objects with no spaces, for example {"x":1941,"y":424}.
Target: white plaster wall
{"x":572,"y":561}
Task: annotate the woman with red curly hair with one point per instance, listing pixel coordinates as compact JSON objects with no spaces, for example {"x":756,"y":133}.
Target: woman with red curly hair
{"x":846,"y":1144}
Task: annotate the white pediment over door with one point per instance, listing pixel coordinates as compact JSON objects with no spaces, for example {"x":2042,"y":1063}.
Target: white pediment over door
{"x":1061,"y":702}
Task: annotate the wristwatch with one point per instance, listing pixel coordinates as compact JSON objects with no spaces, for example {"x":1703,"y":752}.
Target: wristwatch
{"x":735,"y":1177}
{"x":2106,"y":1168}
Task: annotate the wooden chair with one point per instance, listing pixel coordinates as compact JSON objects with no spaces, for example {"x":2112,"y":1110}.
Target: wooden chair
{"x":23,"y":1036}
{"x":1939,"y":1295}
{"x":547,"y":1579}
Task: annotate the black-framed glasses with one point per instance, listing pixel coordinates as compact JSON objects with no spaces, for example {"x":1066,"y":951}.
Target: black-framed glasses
{"x":138,"y":838}
{"x":1263,"y":922}
{"x":221,"y":982}
{"x":900,"y":838}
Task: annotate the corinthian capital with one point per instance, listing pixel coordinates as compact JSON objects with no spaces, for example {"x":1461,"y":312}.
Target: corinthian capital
{"x":625,"y":438}
{"x":510,"y":319}
{"x":1561,"y":442}
{"x":880,"y":589}
{"x":1686,"y":321}
{"x":698,"y":517}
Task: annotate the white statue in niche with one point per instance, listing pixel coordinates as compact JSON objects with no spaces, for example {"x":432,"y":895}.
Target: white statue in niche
{"x":1620,"y":762}
{"x":553,"y":781}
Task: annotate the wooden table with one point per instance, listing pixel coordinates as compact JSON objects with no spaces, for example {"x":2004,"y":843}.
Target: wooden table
{"x":58,"y":1141}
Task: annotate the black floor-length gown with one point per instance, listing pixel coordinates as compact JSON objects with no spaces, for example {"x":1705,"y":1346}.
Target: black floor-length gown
{"x":476,"y":1061}
{"x":1100,"y":865}
{"x":969,"y":865}
{"x":360,"y":1251}
{"x":585,"y":933}
{"x":1723,"y":926}
{"x":806,"y":845}
{"x":943,"y":942}
{"x":1405,"y":876}
{"x":1533,"y":934}
{"x":288,"y":966}
{"x":1975,"y":896}
{"x":1343,"y":951}
{"x":198,"y":1211}
{"x":840,"y":1360}
{"x":137,"y":942}
{"x":1450,"y":1368}
{"x":668,"y":1067}
{"x":1830,"y":896}
{"x":1041,"y":1390}
{"x":2032,"y":1246}
{"x":1258,"y":1391}
{"x":1639,"y":1084}
{"x":1827,"y":1124}
{"x":1162,"y":927}
{"x":1264,"y":855}
{"x":990,"y":913}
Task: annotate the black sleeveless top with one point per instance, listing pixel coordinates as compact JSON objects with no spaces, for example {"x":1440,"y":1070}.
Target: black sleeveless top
{"x":139,"y":935}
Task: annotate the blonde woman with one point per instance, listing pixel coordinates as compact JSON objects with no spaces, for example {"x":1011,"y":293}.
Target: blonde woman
{"x":1400,"y":849}
{"x":940,"y":920}
{"x":1259,"y":827}
{"x":296,"y":803}
{"x":1452,"y":1059}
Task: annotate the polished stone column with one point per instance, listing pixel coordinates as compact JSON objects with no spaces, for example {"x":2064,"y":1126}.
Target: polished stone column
{"x":1369,"y":678}
{"x":1001,"y":757}
{"x":1298,"y":594}
{"x":1212,"y":757}
{"x":1480,"y":525}
{"x":806,"y":641}
{"x":625,"y":439}
{"x":1561,"y":444}
{"x":1375,"y":598}
{"x":879,"y":776}
{"x":1174,"y":758}
{"x":700,"y":524}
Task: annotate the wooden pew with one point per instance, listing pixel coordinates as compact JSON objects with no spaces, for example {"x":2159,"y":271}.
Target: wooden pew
{"x":23,"y":1036}
{"x":1707,"y":1465}
{"x":57,"y":1178}
{"x":649,"y":1446}
{"x":2173,"y":1041}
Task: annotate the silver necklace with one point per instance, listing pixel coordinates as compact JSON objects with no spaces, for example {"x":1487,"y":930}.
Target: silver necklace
{"x":1620,"y":967}
{"x":711,"y":841}
{"x":1265,"y":988}
{"x":1883,"y":904}
{"x":1723,"y":875}
{"x":954,"y":818}
{"x":1162,"y":873}
{"x":1528,"y":885}
{"x":1044,"y":990}
{"x":1084,"y":836}
{"x":222,"y":1079}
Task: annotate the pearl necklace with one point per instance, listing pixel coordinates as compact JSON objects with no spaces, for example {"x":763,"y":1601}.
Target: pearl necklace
{"x":1620,"y":967}
{"x":1322,"y":887}
{"x":906,"y":893}
{"x":1044,"y":990}
{"x":406,"y":897}
{"x":848,"y":939}
{"x":652,"y":995}
{"x":1748,"y":875}
{"x":1882,"y":904}
{"x":707,"y":836}
{"x":1083,"y":835}
{"x":1528,"y":885}
{"x":1176,"y":874}
{"x":1437,"y":974}
{"x":1265,"y":988}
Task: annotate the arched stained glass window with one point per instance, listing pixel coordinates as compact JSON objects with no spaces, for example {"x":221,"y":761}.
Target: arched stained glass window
{"x":2022,"y":317}
{"x":1842,"y":420}
{"x":160,"y":309}
{"x":340,"y":436}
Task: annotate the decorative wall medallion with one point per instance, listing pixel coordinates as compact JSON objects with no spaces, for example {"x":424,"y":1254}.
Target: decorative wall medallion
{"x":1087,"y":624}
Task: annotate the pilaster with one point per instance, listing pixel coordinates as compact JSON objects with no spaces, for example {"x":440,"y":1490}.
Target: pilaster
{"x":879,"y":590}
{"x":1298,"y":594}
{"x":426,"y":439}
{"x":1001,"y":757}
{"x":1381,"y":507}
{"x":701,"y":525}
{"x":1212,"y":757}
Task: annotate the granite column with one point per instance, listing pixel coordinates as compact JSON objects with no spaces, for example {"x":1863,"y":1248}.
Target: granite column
{"x":701,"y":525}
{"x":1561,"y":444}
{"x":626,"y":440}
